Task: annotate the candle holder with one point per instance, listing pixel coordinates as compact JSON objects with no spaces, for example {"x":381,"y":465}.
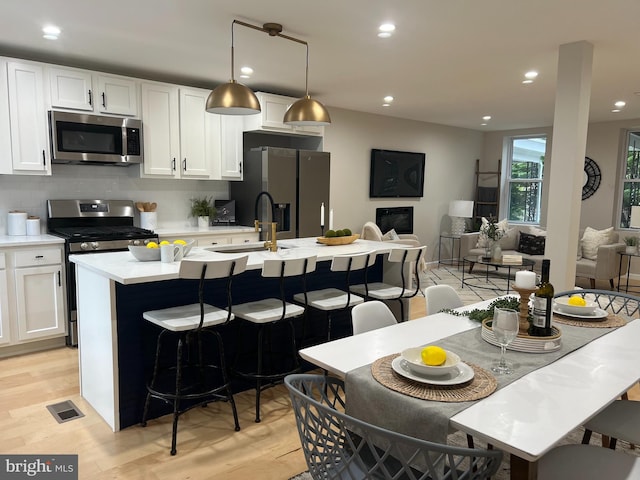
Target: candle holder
{"x":322,"y":230}
{"x":524,"y":293}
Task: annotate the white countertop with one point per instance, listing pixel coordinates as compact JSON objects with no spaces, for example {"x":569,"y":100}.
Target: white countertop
{"x":123,"y":268}
{"x":28,"y":240}
{"x":197,"y":231}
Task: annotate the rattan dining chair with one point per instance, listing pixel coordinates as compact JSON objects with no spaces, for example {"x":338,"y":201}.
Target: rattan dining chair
{"x":338,"y":446}
{"x":618,"y":303}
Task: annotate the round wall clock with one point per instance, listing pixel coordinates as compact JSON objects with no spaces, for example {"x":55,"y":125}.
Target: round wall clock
{"x":592,"y":177}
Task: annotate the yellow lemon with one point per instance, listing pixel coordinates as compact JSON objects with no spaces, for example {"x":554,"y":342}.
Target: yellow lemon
{"x":433,"y":355}
{"x":180,"y":242}
{"x":577,"y":301}
{"x":165,"y":242}
{"x":152,"y":245}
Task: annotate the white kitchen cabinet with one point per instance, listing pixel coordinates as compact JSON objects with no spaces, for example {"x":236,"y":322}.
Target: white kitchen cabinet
{"x":5,"y":336}
{"x":273,"y":107}
{"x":212,"y":239}
{"x":27,"y":119}
{"x":40,"y":308}
{"x":95,"y":92}
{"x":6,"y":165}
{"x":231,"y":152}
{"x":161,"y":133}
{"x":199,"y":135}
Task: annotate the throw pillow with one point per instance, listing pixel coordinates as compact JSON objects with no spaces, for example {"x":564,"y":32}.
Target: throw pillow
{"x":390,"y":235}
{"x":537,"y":231}
{"x":592,"y":239}
{"x":531,"y":244}
{"x":510,"y":239}
{"x":483,"y":241}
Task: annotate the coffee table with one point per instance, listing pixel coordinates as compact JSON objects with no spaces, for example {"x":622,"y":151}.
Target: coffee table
{"x":475,"y":281}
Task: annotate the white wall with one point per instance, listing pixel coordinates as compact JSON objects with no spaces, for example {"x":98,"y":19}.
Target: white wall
{"x":604,"y":143}
{"x":449,"y":173}
{"x":30,"y":193}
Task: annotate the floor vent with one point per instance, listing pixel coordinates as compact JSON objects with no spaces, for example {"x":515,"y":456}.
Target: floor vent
{"x":64,"y":411}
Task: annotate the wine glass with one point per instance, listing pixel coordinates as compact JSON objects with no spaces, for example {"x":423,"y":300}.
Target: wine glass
{"x":505,"y":329}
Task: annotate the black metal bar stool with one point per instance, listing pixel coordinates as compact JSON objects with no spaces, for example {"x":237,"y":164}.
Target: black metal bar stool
{"x":409,"y":260}
{"x":266,"y":314}
{"x":333,"y":300}
{"x":193,"y":381}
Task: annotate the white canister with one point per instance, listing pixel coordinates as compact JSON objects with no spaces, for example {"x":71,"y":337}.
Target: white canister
{"x":33,"y":226}
{"x":149,"y":220}
{"x":17,"y":223}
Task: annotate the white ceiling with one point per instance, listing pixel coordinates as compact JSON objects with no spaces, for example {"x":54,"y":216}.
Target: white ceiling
{"x":449,"y":61}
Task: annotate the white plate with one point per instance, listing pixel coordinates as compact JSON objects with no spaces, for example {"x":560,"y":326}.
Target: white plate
{"x":599,"y":314}
{"x":462,"y":374}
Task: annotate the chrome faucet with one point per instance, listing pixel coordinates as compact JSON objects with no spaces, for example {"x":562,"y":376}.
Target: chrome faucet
{"x":272,"y":244}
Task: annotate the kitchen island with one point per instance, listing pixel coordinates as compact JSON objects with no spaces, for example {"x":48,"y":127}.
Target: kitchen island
{"x":116,"y":346}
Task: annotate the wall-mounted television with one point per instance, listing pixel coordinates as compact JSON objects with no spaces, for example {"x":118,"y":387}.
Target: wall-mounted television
{"x":396,"y":174}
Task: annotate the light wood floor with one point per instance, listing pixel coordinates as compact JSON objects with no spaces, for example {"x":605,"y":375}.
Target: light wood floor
{"x":208,"y":447}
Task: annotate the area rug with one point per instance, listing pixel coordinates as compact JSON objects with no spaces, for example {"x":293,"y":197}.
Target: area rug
{"x":504,"y":471}
{"x":496,"y":284}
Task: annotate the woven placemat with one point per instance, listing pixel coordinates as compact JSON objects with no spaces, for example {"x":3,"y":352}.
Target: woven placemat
{"x":611,"y":321}
{"x":482,"y":385}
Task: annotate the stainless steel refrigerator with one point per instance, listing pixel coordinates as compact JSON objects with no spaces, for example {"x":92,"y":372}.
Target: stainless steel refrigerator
{"x":298,"y":181}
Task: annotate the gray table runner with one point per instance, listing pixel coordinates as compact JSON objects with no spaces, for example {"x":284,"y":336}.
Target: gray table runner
{"x":374,"y":403}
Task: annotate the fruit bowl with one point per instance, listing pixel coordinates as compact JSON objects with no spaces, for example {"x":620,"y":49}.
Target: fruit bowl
{"x":339,"y":240}
{"x":144,"y":254}
{"x":413,"y":357}
{"x":563,"y":306}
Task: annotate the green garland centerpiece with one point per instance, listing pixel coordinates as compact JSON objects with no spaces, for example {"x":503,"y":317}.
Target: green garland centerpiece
{"x":478,"y":314}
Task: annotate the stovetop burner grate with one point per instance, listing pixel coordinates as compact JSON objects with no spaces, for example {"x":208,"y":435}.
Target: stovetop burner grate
{"x":101,"y":233}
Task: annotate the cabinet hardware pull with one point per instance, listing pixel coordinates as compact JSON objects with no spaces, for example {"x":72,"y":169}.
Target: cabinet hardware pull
{"x":184,"y":164}
{"x":90,"y":98}
{"x":104,"y":100}
{"x":214,"y":243}
{"x":59,"y":279}
{"x":39,"y":256}
{"x":173,"y":164}
{"x":44,"y":159}
{"x":240,"y":167}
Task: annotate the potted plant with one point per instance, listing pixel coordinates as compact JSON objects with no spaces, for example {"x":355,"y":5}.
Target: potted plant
{"x":203,"y":210}
{"x":493,"y":233}
{"x":632,"y":245}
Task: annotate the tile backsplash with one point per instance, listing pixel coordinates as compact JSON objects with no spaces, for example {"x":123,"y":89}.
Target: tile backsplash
{"x":30,"y":193}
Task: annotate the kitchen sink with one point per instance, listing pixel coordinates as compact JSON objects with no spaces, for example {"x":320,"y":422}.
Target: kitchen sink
{"x":253,"y":247}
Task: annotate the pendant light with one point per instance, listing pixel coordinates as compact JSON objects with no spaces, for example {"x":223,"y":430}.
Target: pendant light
{"x":236,"y":99}
{"x":232,"y":98}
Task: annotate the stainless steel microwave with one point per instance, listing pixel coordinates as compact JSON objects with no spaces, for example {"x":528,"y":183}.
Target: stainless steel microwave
{"x":91,"y":139}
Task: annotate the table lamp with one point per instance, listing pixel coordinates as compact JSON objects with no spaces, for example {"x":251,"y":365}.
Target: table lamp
{"x":635,"y":217}
{"x":459,"y":210}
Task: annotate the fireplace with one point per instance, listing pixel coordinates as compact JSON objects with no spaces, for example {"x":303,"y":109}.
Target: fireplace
{"x":398,"y":218}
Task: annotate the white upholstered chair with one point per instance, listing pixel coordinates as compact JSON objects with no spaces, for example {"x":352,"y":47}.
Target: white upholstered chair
{"x":371,"y":316}
{"x":440,"y":297}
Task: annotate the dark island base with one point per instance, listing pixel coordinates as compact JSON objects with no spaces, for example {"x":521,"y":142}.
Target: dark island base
{"x":137,"y":337}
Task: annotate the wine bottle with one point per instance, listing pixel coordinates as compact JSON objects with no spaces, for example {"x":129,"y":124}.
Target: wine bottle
{"x":542,"y":305}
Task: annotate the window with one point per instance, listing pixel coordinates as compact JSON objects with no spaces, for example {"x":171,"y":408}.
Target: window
{"x":631,"y":178}
{"x":523,"y":179}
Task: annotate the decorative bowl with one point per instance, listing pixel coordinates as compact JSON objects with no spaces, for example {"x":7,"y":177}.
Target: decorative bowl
{"x":563,"y":306}
{"x":413,"y":357}
{"x":144,"y":254}
{"x":339,"y":240}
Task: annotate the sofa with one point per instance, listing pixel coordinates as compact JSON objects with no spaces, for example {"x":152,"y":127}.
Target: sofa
{"x":597,"y":250}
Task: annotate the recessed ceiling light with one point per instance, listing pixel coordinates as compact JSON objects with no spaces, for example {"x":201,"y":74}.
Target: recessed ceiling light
{"x":386,"y":105}
{"x":51,"y":32}
{"x":526,"y":82}
{"x":531,"y":74}
{"x":486,"y":118}
{"x":386,"y":29}
{"x":615,"y":110}
{"x":483,"y":124}
{"x":247,"y":70}
{"x":620,"y":104}
{"x":388,"y":99}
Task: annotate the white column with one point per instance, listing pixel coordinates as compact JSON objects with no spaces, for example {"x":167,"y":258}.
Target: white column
{"x":570,"y":122}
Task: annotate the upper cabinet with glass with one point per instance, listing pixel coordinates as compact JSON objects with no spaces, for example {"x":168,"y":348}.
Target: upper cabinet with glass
{"x":99,"y":93}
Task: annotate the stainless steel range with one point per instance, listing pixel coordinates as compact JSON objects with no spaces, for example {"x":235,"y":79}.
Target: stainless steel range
{"x":92,"y":226}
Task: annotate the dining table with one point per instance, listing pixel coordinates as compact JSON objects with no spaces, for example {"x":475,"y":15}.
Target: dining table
{"x":525,"y":414}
